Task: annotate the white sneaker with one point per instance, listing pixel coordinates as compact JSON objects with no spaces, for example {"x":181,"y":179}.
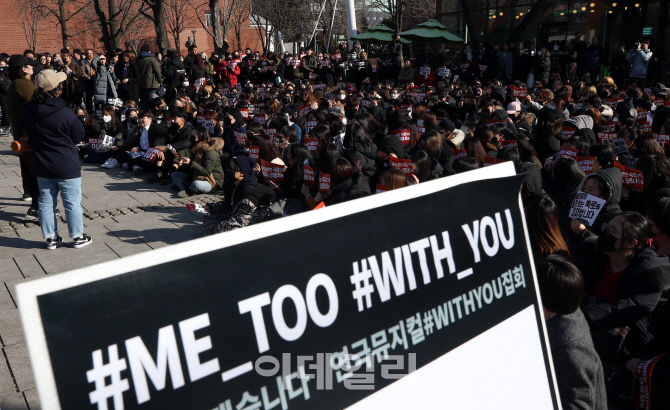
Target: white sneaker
{"x":125,"y":165}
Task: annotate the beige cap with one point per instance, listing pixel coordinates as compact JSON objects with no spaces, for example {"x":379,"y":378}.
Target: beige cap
{"x":49,"y":79}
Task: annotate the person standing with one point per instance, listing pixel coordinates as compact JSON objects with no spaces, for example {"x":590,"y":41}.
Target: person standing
{"x":639,"y":57}
{"x":54,"y":130}
{"x":72,"y":90}
{"x":393,"y":51}
{"x":19,"y":93}
{"x":149,"y":70}
{"x":594,"y":58}
{"x":88,"y":74}
{"x":126,"y":72}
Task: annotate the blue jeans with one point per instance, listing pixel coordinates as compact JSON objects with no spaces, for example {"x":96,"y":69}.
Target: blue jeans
{"x":201,"y":187}
{"x":70,"y":193}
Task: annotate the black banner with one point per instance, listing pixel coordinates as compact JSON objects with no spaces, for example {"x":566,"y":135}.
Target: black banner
{"x":316,"y":317}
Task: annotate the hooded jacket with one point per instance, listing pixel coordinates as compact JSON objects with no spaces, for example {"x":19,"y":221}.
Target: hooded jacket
{"x":351,"y":188}
{"x":613,"y":179}
{"x":365,"y":154}
{"x":150,"y":71}
{"x":174,"y":77}
{"x":53,"y":130}
{"x":104,"y":83}
{"x":206,"y":162}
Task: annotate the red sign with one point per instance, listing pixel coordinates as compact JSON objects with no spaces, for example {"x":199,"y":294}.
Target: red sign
{"x":645,"y":126}
{"x":273,"y":171}
{"x":260,"y":119}
{"x":405,"y":165}
{"x":491,"y":161}
{"x":585,"y":163}
{"x":271,"y":132}
{"x":403,"y":135}
{"x":567,"y":152}
{"x":255,"y":152}
{"x":611,"y":125}
{"x":459,"y":153}
{"x":245,"y":113}
{"x":632,"y":178}
{"x":566,"y":132}
{"x":663,"y":139}
{"x":151,"y":155}
{"x":241,"y":138}
{"x":311,"y":144}
{"x":603,"y":137}
{"x":464,"y":66}
{"x":308,"y":175}
{"x":382,"y":188}
{"x":509,"y":144}
{"x":309,"y":126}
{"x":490,"y":122}
{"x":518,"y":92}
{"x":304,"y":110}
{"x":324,"y":183}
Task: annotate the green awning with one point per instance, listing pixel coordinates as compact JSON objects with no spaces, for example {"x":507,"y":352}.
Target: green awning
{"x":379,"y":34}
{"x":431,"y":31}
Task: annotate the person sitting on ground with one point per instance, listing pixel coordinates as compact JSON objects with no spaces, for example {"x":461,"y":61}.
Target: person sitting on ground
{"x":204,"y":160}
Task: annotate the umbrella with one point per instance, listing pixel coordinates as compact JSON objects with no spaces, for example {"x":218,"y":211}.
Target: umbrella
{"x":431,"y":31}
{"x":379,"y":34}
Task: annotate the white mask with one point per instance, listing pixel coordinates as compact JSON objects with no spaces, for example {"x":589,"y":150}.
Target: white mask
{"x":394,"y":96}
{"x":539,"y":53}
{"x":185,"y":84}
{"x":106,"y":118}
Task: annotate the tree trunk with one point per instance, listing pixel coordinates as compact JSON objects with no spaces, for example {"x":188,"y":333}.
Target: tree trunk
{"x":159,"y":26}
{"x":63,"y":24}
{"x":215,"y":10}
{"x":177,"y":42}
{"x":113,"y":28}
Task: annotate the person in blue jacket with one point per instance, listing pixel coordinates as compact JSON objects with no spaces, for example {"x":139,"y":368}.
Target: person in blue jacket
{"x":639,"y":57}
{"x":54,"y":130}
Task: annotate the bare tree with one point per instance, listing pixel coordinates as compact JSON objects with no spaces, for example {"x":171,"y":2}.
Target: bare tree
{"x":31,"y":13}
{"x":64,"y":11}
{"x":178,"y":17}
{"x":116,"y":21}
{"x":241,"y":14}
{"x":395,"y":8}
{"x":135,"y":34}
{"x":216,"y":30}
{"x":157,"y":16}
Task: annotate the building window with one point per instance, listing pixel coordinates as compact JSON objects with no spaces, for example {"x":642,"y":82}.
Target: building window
{"x":208,"y":19}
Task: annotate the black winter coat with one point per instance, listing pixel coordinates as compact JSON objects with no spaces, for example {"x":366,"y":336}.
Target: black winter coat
{"x":53,"y":130}
{"x":133,"y":75}
{"x":638,"y":292}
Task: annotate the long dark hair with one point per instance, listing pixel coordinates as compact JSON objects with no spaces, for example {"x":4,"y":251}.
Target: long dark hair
{"x":266,"y":148}
{"x":423,"y":164}
{"x":295,"y":177}
{"x":356,"y":137}
{"x":40,"y":95}
{"x":473,"y":148}
{"x":545,"y":235}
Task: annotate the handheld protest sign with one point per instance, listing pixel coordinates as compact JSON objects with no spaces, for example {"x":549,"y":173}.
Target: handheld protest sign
{"x":586,"y":207}
{"x":241,"y":138}
{"x":585,"y":163}
{"x":405,"y":165}
{"x":254,"y":152}
{"x":488,"y":161}
{"x":631,"y":178}
{"x":403,"y":136}
{"x":311,"y":144}
{"x":459,"y":153}
{"x":509,"y":144}
{"x":437,"y":301}
{"x":567,"y":152}
{"x":566,"y":132}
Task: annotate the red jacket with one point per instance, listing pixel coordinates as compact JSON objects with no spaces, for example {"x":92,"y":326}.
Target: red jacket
{"x":227,"y":74}
{"x":429,"y":81}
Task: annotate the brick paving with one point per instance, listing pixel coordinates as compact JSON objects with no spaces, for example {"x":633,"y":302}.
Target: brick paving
{"x":123,"y":214}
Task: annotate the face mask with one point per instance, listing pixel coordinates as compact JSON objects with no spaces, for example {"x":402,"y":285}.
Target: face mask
{"x":228,"y":122}
{"x":132,"y":120}
{"x":394,"y":96}
{"x":164,"y":108}
{"x":185,"y":84}
{"x":106,"y":118}
{"x":342,"y":97}
{"x":229,"y":176}
{"x":606,"y":243}
{"x":82,"y":118}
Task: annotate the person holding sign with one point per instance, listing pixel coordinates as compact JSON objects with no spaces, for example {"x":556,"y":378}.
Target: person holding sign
{"x":204,"y":160}
{"x":179,"y":138}
{"x":143,"y":138}
{"x":579,"y":372}
{"x":624,"y":286}
{"x":54,"y":130}
{"x":605,"y":184}
{"x":244,"y":198}
{"x":345,"y":183}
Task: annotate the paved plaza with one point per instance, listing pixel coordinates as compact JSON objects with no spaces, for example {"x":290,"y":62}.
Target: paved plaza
{"x":123,"y":214}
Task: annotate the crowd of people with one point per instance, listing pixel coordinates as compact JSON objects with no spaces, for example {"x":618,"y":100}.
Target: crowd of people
{"x":280,"y":134}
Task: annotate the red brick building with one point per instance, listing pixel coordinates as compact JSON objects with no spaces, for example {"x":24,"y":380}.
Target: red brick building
{"x":13,"y":37}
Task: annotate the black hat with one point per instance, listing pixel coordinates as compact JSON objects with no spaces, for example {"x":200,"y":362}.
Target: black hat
{"x":19,"y":60}
{"x":246,"y":164}
{"x":391,"y":145}
{"x":448,"y":125}
{"x":328,"y":97}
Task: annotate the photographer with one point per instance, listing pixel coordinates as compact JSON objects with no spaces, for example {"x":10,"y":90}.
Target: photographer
{"x":639,"y":57}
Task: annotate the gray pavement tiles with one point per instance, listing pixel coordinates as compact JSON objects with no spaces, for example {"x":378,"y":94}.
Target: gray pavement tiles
{"x":124,"y":215}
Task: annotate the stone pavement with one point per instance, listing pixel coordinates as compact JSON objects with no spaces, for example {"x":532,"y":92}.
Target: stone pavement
{"x":123,"y":214}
